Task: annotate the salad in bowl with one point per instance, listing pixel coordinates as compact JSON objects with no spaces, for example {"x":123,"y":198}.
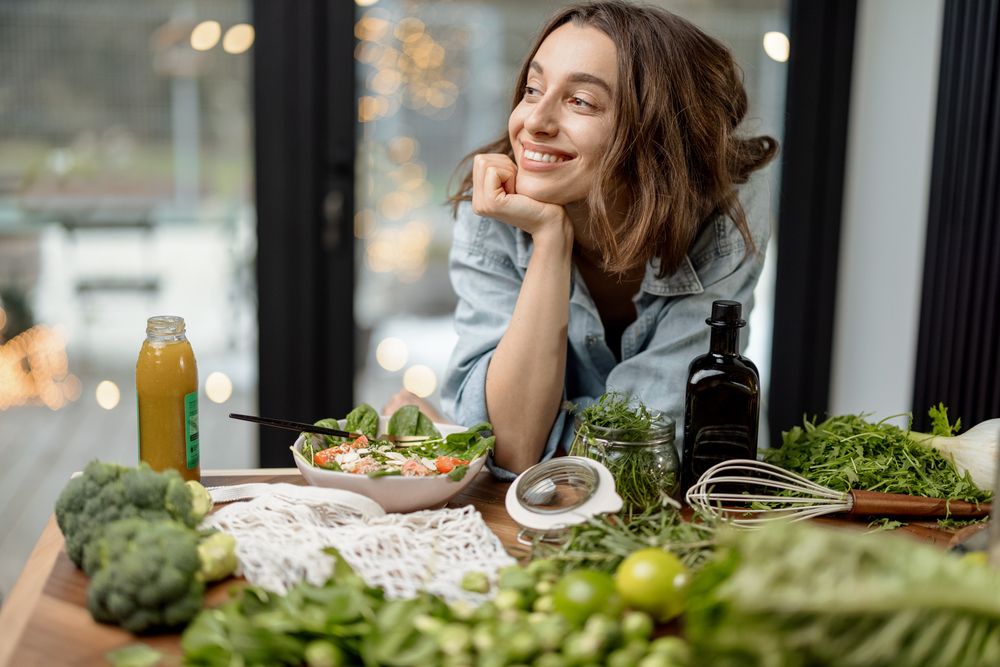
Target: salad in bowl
{"x":401,"y":477}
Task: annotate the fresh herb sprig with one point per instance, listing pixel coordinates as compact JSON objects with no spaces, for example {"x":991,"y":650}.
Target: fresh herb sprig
{"x":602,"y":542}
{"x":619,"y":411}
{"x":847,"y":452}
{"x":640,"y":477}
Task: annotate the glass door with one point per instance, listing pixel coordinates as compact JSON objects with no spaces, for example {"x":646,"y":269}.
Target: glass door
{"x":126,"y":191}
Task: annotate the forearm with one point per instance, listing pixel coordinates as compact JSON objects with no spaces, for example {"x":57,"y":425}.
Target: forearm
{"x":525,"y":379}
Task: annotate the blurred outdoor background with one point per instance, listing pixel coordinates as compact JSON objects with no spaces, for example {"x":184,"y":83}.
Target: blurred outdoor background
{"x":127,"y":191}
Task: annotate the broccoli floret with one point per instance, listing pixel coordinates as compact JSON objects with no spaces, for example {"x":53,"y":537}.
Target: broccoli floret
{"x":107,"y":492}
{"x":144,"y":575}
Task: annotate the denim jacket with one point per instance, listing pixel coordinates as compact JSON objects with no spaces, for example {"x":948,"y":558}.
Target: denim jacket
{"x":487,"y":263}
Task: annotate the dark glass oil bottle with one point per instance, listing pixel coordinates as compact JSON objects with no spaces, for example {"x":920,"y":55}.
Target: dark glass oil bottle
{"x":722,"y":403}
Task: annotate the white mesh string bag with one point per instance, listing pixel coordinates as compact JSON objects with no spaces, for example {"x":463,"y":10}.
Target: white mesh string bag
{"x":282,"y":530}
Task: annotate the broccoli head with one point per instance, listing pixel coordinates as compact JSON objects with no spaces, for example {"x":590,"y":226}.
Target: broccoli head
{"x":107,"y":492}
{"x":144,"y":575}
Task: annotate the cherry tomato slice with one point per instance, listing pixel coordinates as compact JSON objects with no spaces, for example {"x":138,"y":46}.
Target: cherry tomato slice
{"x":446,"y":464}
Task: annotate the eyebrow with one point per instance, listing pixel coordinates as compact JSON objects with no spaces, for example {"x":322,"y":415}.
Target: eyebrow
{"x":578,"y":77}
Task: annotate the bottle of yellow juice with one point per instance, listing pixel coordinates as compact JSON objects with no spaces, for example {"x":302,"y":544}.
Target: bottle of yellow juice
{"x":166,"y":385}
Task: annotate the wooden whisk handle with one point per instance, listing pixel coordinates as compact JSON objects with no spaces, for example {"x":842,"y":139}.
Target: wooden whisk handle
{"x":895,"y":504}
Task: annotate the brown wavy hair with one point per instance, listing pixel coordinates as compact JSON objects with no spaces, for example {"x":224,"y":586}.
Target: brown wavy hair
{"x":676,"y":154}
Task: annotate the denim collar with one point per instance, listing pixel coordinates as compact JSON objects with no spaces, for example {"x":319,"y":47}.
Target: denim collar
{"x":683,"y":281}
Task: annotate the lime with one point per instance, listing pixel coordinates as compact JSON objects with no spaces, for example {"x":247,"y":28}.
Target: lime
{"x":653,"y":581}
{"x":584,"y":592}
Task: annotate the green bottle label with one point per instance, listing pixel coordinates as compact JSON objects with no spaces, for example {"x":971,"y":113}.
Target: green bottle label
{"x":191,"y":429}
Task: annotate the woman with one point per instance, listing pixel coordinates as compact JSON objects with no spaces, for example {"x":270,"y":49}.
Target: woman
{"x":593,"y":237}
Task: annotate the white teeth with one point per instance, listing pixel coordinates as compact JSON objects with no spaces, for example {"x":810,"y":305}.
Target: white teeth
{"x":542,"y":157}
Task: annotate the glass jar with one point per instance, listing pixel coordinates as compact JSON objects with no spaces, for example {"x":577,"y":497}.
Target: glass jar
{"x":645,"y":464}
{"x":166,"y":384}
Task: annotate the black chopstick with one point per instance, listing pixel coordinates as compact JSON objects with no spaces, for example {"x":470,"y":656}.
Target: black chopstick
{"x":294,"y":426}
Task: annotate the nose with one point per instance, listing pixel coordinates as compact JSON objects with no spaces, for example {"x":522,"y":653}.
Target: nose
{"x":543,"y":117}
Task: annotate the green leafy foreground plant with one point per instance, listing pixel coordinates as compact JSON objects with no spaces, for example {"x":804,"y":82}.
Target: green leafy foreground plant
{"x":794,"y":595}
{"x":344,"y":622}
{"x":602,"y":542}
{"x":848,"y":452}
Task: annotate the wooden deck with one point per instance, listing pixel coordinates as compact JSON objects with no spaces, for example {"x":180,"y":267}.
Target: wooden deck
{"x":41,"y":448}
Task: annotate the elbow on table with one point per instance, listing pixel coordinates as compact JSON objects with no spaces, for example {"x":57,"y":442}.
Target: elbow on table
{"x":516,"y":455}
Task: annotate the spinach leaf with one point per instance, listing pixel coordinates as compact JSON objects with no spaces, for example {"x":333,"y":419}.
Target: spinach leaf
{"x":409,"y":420}
{"x":458,"y":472}
{"x":329,"y":440}
{"x":363,"y":419}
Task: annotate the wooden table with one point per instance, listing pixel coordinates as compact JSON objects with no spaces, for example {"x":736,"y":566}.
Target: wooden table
{"x":45,"y":621}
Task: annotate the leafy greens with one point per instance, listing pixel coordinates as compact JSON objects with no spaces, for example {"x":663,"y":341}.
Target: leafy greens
{"x":791,"y":595}
{"x":847,"y":452}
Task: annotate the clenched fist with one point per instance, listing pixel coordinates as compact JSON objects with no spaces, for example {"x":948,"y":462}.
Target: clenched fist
{"x":494,"y":196}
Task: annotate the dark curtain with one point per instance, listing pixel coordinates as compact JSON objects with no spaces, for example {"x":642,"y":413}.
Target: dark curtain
{"x":958,"y":349}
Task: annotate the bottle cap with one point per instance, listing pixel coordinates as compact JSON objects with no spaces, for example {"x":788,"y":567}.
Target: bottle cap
{"x":726,"y":314}
{"x":165,"y":325}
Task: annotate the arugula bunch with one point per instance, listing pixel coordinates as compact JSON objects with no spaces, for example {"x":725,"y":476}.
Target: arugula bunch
{"x":847,"y":452}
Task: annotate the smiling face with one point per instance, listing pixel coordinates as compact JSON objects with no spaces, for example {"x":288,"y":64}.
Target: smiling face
{"x":563,"y":123}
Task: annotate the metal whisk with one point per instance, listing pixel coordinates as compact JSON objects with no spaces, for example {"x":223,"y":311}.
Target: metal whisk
{"x":713,"y":493}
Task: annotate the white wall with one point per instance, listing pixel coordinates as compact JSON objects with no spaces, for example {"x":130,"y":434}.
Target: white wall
{"x":893,"y":97}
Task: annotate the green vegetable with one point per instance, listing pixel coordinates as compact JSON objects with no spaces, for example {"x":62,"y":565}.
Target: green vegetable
{"x":217,"y":554}
{"x":602,"y":543}
{"x":345,"y":622}
{"x":794,"y":594}
{"x":135,"y":655}
{"x":362,"y":419}
{"x":847,"y":452}
{"x":149,"y":575}
{"x":476,"y":582}
{"x":107,"y":492}
{"x":640,"y":477}
{"x":409,"y":420}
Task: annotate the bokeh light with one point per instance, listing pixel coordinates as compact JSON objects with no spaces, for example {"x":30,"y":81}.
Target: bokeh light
{"x":107,"y":394}
{"x":205,"y":35}
{"x":3,"y":319}
{"x":776,"y":46}
{"x":218,"y":387}
{"x":365,"y":3}
{"x":34,"y":369}
{"x":420,"y":380}
{"x":403,"y":149}
{"x":391,"y":354}
{"x":238,"y":39}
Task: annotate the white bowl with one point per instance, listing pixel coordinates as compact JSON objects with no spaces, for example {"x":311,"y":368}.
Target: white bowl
{"x":394,"y":493}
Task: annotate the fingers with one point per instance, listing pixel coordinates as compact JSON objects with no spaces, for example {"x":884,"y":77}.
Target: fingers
{"x":494,"y":194}
{"x":493,"y":177}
